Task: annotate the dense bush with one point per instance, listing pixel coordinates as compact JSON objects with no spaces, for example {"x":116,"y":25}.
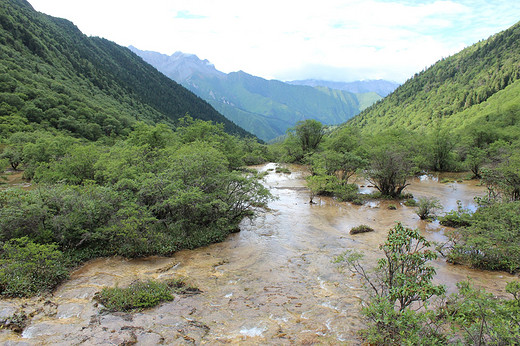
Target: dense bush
{"x":402,"y":277}
{"x":459,"y":217}
{"x":492,"y":241}
{"x":156,"y":192}
{"x":27,"y":268}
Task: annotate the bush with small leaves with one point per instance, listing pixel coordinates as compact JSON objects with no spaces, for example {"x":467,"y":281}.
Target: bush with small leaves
{"x":27,"y":268}
{"x":427,"y":207}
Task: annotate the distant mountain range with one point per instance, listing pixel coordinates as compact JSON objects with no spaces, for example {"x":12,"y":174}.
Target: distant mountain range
{"x":380,"y":86}
{"x":266,"y":108}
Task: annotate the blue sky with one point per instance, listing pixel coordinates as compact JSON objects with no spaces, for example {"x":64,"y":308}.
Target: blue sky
{"x":340,"y":40}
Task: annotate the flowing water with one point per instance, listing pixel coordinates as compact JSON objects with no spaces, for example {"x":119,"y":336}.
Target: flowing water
{"x":271,"y":283}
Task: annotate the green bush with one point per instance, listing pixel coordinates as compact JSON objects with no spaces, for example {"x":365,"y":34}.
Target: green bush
{"x":460,"y":217}
{"x":492,"y":241}
{"x":410,"y":202}
{"x":27,"y":268}
{"x":427,"y":207}
{"x":139,"y":295}
{"x":481,"y":318}
{"x":142,"y":294}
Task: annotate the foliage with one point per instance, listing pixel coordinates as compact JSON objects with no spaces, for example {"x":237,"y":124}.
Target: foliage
{"x":141,"y":295}
{"x":27,"y":268}
{"x":502,"y":178}
{"x":55,"y":77}
{"x":427,"y":207}
{"x":410,"y":202}
{"x":483,"y":319}
{"x":361,"y":229}
{"x":491,"y":241}
{"x":460,"y":217}
{"x":402,"y":278}
{"x":138,"y":296}
{"x":155,"y":192}
{"x":389,"y":170}
{"x":309,"y":134}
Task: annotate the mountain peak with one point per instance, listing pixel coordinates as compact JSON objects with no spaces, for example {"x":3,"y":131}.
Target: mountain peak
{"x":179,"y":66}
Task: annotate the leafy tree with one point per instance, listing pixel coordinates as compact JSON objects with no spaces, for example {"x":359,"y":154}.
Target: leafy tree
{"x":389,"y":170}
{"x":13,"y":155}
{"x":309,"y":134}
{"x":439,"y":149}
{"x":475,"y":160}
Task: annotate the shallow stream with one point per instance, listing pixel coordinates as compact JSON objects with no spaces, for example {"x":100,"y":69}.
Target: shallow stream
{"x":271,"y":283}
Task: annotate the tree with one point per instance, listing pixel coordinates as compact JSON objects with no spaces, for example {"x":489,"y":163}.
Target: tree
{"x":440,"y":148}
{"x":309,"y":134}
{"x":388,"y":171}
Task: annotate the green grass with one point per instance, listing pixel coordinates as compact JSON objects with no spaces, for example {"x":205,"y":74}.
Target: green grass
{"x":141,"y":294}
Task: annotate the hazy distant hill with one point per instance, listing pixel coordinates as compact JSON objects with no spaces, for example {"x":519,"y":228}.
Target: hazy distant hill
{"x":478,"y":87}
{"x":53,"y":76}
{"x":380,"y":86}
{"x":266,"y":108}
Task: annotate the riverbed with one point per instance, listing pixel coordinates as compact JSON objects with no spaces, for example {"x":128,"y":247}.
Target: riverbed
{"x":272,"y":283}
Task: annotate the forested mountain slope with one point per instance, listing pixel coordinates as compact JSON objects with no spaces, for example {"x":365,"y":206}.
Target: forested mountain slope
{"x":470,"y":88}
{"x":266,"y":108}
{"x":53,"y":76}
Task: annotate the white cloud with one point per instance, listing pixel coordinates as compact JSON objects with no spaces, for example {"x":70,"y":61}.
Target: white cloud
{"x":273,"y":38}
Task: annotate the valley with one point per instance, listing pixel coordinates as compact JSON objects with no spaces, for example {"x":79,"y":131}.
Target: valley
{"x":274,"y":282}
{"x":140,"y":204}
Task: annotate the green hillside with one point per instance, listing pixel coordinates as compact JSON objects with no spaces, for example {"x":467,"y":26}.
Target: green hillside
{"x":478,"y":84}
{"x":53,"y":76}
{"x":266,"y":108}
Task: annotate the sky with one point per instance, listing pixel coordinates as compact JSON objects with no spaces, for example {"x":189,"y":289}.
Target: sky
{"x":338,"y":40}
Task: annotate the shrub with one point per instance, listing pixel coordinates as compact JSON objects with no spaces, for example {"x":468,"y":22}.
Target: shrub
{"x":401,"y":278}
{"x":142,"y":294}
{"x":483,"y":319}
{"x":460,"y":217}
{"x":139,"y":295}
{"x":27,"y":268}
{"x":410,"y":202}
{"x":492,"y":241}
{"x":361,"y":229}
{"x":427,"y":207}
{"x":284,"y":170}
{"x":391,"y":207}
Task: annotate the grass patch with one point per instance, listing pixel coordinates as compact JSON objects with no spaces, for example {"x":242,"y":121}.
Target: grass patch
{"x":361,"y":229}
{"x":141,"y":295}
{"x":282,"y":170}
{"x":410,"y":202}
